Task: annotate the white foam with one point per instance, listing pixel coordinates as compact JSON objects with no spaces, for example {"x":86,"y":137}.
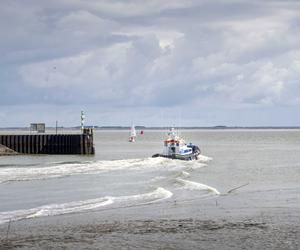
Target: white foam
{"x":184,"y":174}
{"x":203,"y":158}
{"x":196,"y":165}
{"x":55,"y":209}
{"x":191,"y":185}
{"x":57,"y":171}
{"x":157,"y":195}
{"x":91,"y":204}
{"x":158,"y":178}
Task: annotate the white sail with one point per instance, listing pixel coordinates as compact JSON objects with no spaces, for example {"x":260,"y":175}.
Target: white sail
{"x":133,"y":131}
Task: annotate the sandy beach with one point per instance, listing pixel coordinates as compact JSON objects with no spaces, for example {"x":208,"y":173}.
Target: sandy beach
{"x":231,"y":221}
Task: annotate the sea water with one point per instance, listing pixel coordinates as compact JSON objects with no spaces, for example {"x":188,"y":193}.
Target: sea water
{"x":123,"y":174}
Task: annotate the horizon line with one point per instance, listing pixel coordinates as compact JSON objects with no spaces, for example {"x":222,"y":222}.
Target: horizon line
{"x":160,"y":127}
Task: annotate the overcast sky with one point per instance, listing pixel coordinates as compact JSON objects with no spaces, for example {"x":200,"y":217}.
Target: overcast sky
{"x":154,"y":63}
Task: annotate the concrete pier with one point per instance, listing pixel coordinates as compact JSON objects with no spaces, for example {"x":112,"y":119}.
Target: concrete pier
{"x":51,"y":143}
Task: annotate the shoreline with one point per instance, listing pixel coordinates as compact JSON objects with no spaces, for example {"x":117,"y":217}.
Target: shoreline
{"x":224,"y":222}
{"x":98,"y":128}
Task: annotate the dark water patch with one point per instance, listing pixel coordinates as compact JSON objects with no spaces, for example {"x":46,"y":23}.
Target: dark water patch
{"x":70,"y":162}
{"x":40,"y":164}
{"x":170,"y":226}
{"x":19,"y":165}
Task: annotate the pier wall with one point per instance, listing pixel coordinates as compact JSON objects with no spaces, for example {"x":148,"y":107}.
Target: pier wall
{"x":50,"y":143}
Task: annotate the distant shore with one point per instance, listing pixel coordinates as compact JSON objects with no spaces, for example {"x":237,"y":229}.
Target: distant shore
{"x":157,"y":128}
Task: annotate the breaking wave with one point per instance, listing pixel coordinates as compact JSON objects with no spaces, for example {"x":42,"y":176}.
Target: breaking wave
{"x":191,"y":185}
{"x":184,"y":174}
{"x":81,"y":206}
{"x":203,"y":158}
{"x":58,"y":170}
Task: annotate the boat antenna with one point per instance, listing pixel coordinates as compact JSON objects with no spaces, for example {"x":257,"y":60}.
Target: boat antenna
{"x":180,"y":122}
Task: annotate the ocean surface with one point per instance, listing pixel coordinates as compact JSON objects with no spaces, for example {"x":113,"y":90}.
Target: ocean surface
{"x":123,"y":174}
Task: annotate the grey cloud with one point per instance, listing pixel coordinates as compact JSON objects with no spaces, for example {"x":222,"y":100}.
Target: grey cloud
{"x":150,"y":54}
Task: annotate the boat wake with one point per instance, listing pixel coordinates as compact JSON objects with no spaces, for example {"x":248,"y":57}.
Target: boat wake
{"x":184,"y":174}
{"x":59,"y":170}
{"x":86,"y":205}
{"x":148,"y":173}
{"x":203,"y":158}
{"x":191,"y":185}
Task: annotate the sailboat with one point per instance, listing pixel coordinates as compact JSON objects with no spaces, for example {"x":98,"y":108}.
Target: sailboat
{"x":132,"y":134}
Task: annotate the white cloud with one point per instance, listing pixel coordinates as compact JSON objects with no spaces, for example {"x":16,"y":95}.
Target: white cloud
{"x":152,"y":54}
{"x":136,"y":7}
{"x":166,"y":38}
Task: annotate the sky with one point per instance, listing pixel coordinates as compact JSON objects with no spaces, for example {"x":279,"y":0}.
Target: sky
{"x":150,"y":62}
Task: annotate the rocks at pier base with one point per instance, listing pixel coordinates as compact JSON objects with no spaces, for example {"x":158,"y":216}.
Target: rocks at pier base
{"x":6,"y":151}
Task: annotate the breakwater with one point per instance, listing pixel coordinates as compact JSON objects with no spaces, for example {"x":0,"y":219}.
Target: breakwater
{"x":51,"y":143}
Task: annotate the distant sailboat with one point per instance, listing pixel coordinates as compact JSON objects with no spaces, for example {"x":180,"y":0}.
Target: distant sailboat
{"x":132,"y":134}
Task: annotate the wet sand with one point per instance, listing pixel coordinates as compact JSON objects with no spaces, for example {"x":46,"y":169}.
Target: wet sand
{"x":242,"y":219}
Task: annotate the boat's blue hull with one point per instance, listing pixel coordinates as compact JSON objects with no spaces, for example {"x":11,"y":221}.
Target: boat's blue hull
{"x":187,"y":157}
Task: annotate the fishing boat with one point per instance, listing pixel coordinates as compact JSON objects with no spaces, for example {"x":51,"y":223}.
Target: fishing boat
{"x":132,"y":134}
{"x":176,"y":148}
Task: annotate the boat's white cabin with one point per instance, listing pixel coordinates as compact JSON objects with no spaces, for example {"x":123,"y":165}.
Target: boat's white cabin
{"x":173,"y":144}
